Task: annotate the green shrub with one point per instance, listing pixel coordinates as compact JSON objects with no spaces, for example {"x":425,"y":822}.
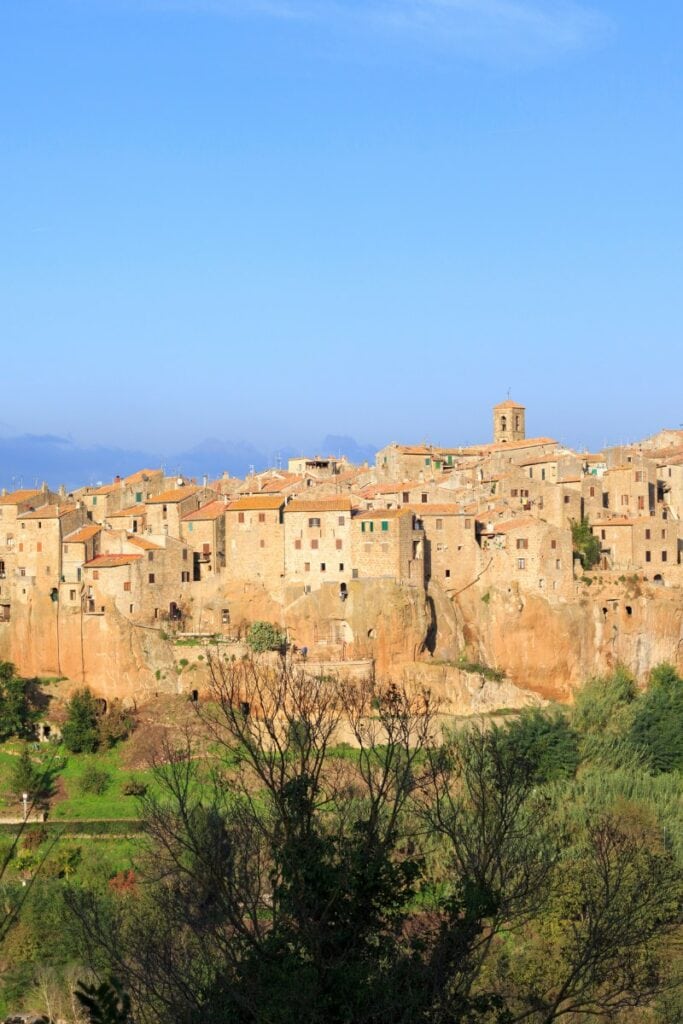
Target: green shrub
{"x":264,"y":636}
{"x":117,"y":724}
{"x":94,"y":780}
{"x":134,"y":787}
{"x":80,"y":731}
{"x":658,"y":724}
{"x":586,"y":544}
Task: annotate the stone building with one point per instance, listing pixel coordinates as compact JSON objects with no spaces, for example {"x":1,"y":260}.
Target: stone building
{"x":317,"y":541}
{"x":204,"y":532}
{"x":254,"y":541}
{"x":388,"y":544}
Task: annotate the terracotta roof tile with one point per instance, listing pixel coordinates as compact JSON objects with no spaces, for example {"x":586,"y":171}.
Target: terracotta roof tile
{"x":174,"y":496}
{"x":111,"y":561}
{"x":319,"y":505}
{"x":213,"y":510}
{"x":142,"y":542}
{"x":48,"y":512}
{"x":17,"y":497}
{"x":131,"y":510}
{"x":254,"y":502}
{"x":509,"y":404}
{"x":82,"y":535}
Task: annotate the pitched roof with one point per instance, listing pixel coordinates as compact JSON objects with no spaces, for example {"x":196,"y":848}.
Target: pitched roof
{"x":255,"y":502}
{"x":131,"y":510}
{"x":104,"y":489}
{"x":213,"y":510}
{"x":509,"y":404}
{"x":522,"y":523}
{"x":435,"y":509}
{"x":48,"y":512}
{"x":384,"y":513}
{"x":83,"y":534}
{"x":142,"y":475}
{"x":319,"y":505}
{"x":173,"y":496}
{"x":16,"y":497}
{"x":111,"y":561}
{"x":142,"y":542}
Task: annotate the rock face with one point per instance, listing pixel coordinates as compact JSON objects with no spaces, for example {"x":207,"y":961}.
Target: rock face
{"x":545,"y":646}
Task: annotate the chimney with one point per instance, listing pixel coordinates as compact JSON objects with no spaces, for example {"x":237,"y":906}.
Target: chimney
{"x":205,"y":480}
{"x":43,"y":487}
{"x":62,"y":491}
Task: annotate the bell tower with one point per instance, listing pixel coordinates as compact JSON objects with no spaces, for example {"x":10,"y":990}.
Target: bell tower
{"x":508,"y":422}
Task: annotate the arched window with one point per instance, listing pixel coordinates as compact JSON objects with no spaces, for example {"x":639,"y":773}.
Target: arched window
{"x":503,"y":423}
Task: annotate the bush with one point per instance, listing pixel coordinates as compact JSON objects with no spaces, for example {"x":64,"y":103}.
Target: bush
{"x":658,"y":724}
{"x":546,"y":743}
{"x":80,"y":731}
{"x":264,"y":636}
{"x":586,"y":544}
{"x":16,"y":712}
{"x":134,"y":787}
{"x":116,"y":725}
{"x":26,"y":777}
{"x":33,"y":838}
{"x":94,"y":780}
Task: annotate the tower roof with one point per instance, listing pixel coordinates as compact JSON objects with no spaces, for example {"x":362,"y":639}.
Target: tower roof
{"x":509,"y":404}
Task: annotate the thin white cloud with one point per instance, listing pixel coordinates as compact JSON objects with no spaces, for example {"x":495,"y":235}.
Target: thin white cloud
{"x":531,"y":28}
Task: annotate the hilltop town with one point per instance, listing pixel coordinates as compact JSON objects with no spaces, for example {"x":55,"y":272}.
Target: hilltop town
{"x":432,"y":558}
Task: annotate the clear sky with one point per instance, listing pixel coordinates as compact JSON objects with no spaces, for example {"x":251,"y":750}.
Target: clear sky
{"x":272,"y":220}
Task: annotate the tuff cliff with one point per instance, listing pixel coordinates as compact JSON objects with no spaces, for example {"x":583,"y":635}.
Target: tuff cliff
{"x":543,"y":646}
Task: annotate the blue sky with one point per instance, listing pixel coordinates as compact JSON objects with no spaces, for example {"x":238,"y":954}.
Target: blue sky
{"x":270,"y":221}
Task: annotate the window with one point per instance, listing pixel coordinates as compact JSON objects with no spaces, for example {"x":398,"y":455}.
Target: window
{"x":663,"y":534}
{"x":405,"y":497}
{"x":130,"y":609}
{"x":641,"y":501}
{"x":307,"y":566}
{"x":96,"y":574}
{"x":648,"y":556}
{"x":138,"y":496}
{"x":624,"y":499}
{"x":94,"y":499}
{"x":240,"y":517}
{"x":521,"y":563}
{"x":664,"y":556}
{"x":315,"y":522}
{"x":72,"y":595}
{"x":647,"y":534}
{"x":468,"y":524}
{"x":639,"y":476}
{"x":341,"y":520}
{"x":314,"y":543}
{"x":225,"y":616}
{"x":150,"y":578}
{"x":439,"y":524}
{"x":262,"y":517}
{"x":126,"y":584}
{"x":21,"y":546}
{"x":514,"y":493}
{"x":558,"y":563}
{"x":338,"y":545}
{"x":164,"y":509}
{"x":261,"y":543}
{"x":385,"y":525}
{"x":297,"y":544}
{"x":566,"y":499}
{"x":428,"y":462}
{"x":447,"y":574}
{"x":542,"y":474}
{"x":39,"y":546}
{"x":423,"y":499}
{"x":553,"y":544}
{"x":522,"y":543}
{"x":150,"y":556}
{"x":367,"y":526}
{"x":184,"y":554}
{"x":354,"y":574}
{"x":184,"y":577}
{"x":591,"y":491}
{"x":341,"y":567}
{"x":323,"y":567}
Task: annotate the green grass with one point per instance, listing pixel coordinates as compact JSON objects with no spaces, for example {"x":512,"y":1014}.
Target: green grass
{"x":111,"y":803}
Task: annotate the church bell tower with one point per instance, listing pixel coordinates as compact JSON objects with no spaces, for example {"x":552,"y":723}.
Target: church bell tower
{"x":508,"y":422}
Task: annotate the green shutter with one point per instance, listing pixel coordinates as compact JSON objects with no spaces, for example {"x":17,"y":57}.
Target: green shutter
{"x":385,"y":525}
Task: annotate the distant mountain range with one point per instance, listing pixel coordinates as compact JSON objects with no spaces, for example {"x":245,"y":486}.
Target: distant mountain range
{"x":30,"y":459}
